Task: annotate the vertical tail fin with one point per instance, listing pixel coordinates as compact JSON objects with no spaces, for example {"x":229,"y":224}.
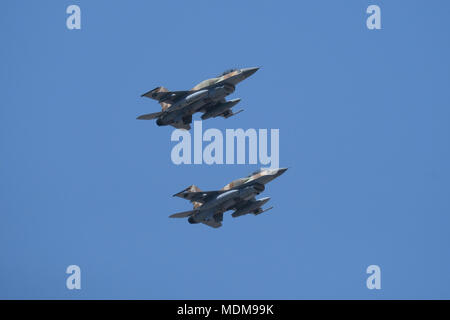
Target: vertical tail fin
{"x":185,"y":195}
{"x":156,"y":94}
{"x":164,"y":105}
{"x":194,"y":188}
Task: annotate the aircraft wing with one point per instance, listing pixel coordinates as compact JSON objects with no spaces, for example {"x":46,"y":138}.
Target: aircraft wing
{"x":200,"y":196}
{"x":150,"y":116}
{"x":161,"y":94}
{"x":183,"y":214}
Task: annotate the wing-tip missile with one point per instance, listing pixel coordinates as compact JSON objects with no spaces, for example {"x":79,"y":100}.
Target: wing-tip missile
{"x":233,"y":114}
{"x":262,"y":211}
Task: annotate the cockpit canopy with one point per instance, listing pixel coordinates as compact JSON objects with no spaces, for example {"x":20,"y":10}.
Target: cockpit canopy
{"x":210,"y":82}
{"x":255,"y":172}
{"x":228,"y":71}
{"x":235,"y":183}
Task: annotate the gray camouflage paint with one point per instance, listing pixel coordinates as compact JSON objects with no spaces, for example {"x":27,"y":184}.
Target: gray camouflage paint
{"x":238,"y":195}
{"x":208,"y":97}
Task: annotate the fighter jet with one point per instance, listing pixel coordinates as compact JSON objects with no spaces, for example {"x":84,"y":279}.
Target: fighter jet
{"x":238,"y":195}
{"x":207,"y":97}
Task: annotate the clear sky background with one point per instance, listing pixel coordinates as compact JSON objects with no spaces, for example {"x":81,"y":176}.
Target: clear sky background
{"x":364,"y":127}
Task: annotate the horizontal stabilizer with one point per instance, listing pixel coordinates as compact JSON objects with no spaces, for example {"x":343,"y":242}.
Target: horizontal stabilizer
{"x":197,"y":196}
{"x":213,"y":224}
{"x":183,"y":214}
{"x":150,"y":116}
{"x":177,"y":125}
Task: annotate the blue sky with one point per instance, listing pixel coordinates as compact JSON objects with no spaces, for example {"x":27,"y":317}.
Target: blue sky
{"x":363,"y":118}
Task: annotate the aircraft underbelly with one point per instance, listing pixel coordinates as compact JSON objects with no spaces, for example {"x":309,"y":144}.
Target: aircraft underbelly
{"x":204,"y":215}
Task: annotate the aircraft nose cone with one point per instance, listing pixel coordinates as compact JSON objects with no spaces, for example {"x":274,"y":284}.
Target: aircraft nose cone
{"x":249,"y":71}
{"x":280,"y":171}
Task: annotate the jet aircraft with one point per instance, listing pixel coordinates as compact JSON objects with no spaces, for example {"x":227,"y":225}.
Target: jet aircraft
{"x":207,"y":97}
{"x":238,"y":195}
